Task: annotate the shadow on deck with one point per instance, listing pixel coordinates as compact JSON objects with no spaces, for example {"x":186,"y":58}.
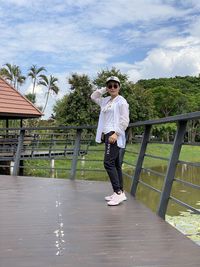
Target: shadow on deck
{"x":52,"y":222}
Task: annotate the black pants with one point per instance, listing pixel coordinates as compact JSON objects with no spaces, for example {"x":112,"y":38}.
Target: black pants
{"x":113,"y":163}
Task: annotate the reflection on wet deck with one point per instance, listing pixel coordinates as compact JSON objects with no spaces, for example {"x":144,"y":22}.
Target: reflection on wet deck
{"x":51,"y":222}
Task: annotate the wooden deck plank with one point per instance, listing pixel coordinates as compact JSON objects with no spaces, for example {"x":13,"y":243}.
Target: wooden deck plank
{"x":51,"y":222}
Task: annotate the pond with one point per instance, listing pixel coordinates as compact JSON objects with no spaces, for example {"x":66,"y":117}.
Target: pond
{"x":183,"y":219}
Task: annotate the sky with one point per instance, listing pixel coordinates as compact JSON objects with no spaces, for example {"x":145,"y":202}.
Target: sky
{"x":143,"y":38}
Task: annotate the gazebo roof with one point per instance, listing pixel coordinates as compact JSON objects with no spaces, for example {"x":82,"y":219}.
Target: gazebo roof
{"x":13,"y":105}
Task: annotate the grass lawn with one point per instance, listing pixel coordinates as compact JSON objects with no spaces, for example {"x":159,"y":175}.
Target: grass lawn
{"x":93,"y":161}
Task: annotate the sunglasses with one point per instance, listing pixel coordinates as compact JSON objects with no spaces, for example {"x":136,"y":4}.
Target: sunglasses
{"x":110,"y":86}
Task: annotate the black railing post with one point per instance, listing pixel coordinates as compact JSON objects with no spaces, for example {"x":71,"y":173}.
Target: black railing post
{"x":34,"y":144}
{"x":75,"y":153}
{"x":171,"y":169}
{"x":140,"y":159}
{"x":18,"y":152}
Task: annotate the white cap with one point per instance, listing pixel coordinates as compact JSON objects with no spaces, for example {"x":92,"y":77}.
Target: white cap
{"x":113,"y":78}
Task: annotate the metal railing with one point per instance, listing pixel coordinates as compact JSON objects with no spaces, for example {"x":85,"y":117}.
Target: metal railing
{"x":169,"y":178}
{"x":46,"y":143}
{"x":77,"y":144}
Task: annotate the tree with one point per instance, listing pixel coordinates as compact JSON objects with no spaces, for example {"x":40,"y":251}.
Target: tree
{"x":13,"y":75}
{"x":104,"y":74}
{"x":34,"y":72}
{"x":31,"y":97}
{"x":77,"y":108}
{"x":169,"y":101}
{"x":193,"y":104}
{"x":145,"y":108}
{"x":60,"y":111}
{"x":187,"y":84}
{"x":51,"y":86}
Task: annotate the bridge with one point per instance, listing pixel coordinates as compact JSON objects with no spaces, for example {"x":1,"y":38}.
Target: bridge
{"x":66,"y":222}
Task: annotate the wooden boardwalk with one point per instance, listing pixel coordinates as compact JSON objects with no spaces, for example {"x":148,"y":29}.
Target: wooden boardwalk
{"x":62,"y":223}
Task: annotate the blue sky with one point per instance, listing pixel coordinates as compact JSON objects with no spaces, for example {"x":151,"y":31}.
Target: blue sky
{"x":142,"y":38}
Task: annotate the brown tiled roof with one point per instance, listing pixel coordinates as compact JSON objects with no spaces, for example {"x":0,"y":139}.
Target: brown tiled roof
{"x":15,"y":105}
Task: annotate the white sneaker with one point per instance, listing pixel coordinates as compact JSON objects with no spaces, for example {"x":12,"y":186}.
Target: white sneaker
{"x":116,"y":199}
{"x":124,"y":196}
{"x":109,"y":198}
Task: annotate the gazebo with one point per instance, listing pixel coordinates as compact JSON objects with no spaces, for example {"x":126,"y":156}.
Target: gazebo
{"x":14,"y":105}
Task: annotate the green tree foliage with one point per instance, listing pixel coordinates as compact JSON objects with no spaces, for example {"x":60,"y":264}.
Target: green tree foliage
{"x":164,"y":131}
{"x":31,"y":97}
{"x":34,"y":73}
{"x":193,"y":102}
{"x":77,"y":108}
{"x":50,"y":83}
{"x":104,"y":74}
{"x":145,"y":108}
{"x":193,"y":126}
{"x":168,"y":101}
{"x":60,"y":110}
{"x":13,"y":75}
{"x":187,"y":84}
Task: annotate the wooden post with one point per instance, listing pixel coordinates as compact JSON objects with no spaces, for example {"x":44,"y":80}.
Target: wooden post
{"x":169,"y":178}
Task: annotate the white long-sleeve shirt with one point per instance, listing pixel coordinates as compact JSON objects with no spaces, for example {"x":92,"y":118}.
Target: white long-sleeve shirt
{"x":121,"y":115}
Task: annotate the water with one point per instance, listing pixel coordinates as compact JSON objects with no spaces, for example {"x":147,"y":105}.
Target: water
{"x":177,"y":215}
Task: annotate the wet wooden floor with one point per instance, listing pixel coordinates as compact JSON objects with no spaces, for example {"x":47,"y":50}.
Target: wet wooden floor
{"x":49,"y":222}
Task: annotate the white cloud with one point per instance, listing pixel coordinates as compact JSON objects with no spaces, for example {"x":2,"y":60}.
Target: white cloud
{"x":148,"y":37}
{"x":180,"y":42}
{"x":194,"y":29}
{"x":62,"y":40}
{"x":74,"y":37}
{"x":131,"y":11}
{"x":56,"y":37}
{"x":167,"y":63}
{"x":39,"y":3}
{"x":145,"y":39}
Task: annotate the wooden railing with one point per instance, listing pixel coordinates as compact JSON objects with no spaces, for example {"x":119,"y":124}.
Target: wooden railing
{"x":75,"y":143}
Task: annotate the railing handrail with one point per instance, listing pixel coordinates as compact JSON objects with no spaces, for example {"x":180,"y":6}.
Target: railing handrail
{"x":51,"y":128}
{"x":176,"y":118}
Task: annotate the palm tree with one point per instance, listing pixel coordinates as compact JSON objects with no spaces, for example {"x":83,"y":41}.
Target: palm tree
{"x":7,"y":72}
{"x":19,"y":79}
{"x":34,"y":74}
{"x":13,"y":75}
{"x":50,"y":84}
